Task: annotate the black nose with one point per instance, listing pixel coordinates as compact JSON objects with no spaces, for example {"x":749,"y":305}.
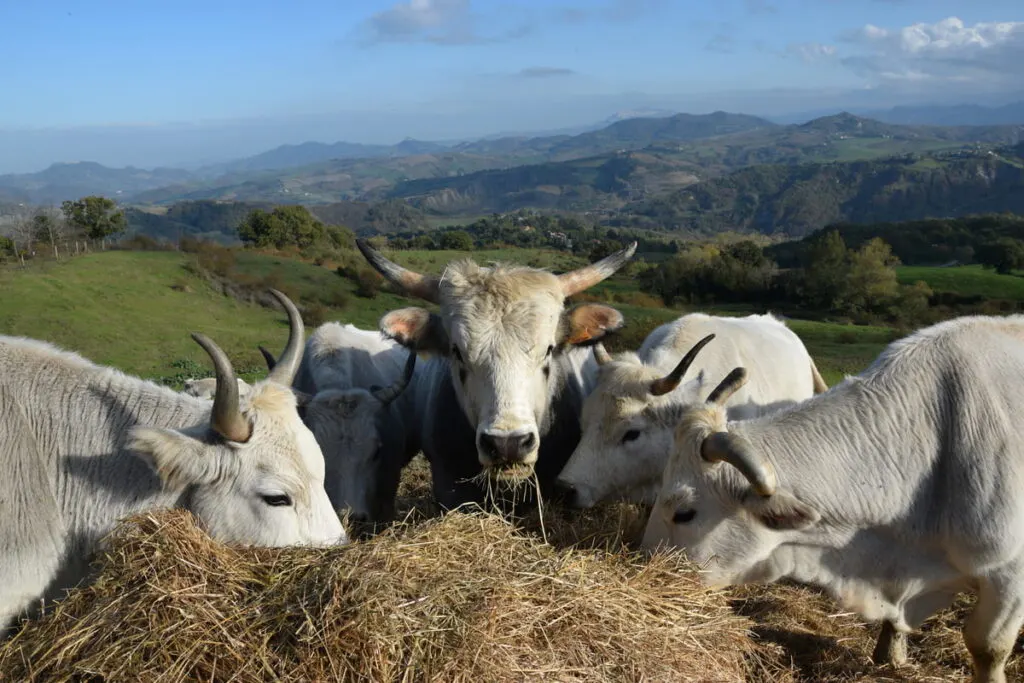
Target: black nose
{"x":565,"y":493}
{"x":508,"y":448}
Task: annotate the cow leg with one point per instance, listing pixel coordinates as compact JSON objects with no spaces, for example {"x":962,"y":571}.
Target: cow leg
{"x":891,"y":647}
{"x":992,"y":627}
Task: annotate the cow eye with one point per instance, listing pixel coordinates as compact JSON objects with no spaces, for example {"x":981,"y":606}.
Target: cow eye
{"x":277,"y":499}
{"x":456,"y":354}
{"x":683,"y":516}
{"x":550,"y":349}
{"x":631,"y":435}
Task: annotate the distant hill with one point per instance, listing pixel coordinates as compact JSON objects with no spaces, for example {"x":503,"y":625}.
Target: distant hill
{"x":796,"y":200}
{"x":958,"y":115}
{"x":293,"y":156}
{"x":219,"y":221}
{"x":611,"y":180}
{"x":70,"y":181}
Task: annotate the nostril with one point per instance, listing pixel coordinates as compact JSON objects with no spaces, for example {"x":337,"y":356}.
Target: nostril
{"x":489,"y":444}
{"x":527,"y":442}
{"x":565,"y":492}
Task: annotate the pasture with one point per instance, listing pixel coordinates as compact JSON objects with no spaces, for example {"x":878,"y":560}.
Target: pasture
{"x":134,"y":310}
{"x":967,"y":281}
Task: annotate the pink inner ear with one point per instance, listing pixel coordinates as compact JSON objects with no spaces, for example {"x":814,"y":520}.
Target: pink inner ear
{"x":404,"y":325}
{"x":591,"y":322}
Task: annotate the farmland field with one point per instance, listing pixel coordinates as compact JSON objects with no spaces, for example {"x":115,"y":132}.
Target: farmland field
{"x":135,"y":310}
{"x":966,"y":281}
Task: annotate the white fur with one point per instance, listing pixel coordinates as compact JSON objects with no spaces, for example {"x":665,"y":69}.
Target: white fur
{"x":895,"y":489}
{"x":82,"y":446}
{"x":604,"y":465}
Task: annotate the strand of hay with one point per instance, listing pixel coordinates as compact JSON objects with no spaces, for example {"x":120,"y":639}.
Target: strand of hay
{"x":460,"y":598}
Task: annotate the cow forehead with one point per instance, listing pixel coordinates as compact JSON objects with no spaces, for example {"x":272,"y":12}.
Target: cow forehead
{"x":282,"y":442}
{"x":487,"y":308}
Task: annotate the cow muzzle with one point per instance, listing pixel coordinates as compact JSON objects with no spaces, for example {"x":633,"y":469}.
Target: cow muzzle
{"x":508,"y":450}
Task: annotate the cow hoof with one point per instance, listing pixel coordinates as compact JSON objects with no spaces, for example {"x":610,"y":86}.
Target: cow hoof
{"x":891,"y":647}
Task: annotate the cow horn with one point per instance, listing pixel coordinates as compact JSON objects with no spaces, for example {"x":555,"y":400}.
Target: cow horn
{"x":287,"y":365}
{"x":268,"y":357}
{"x":424,"y":286}
{"x":601,"y":354}
{"x":225,"y":418}
{"x":583,"y":278}
{"x":388,"y":394}
{"x":728,"y":386}
{"x":735,"y":450}
{"x":669,"y":382}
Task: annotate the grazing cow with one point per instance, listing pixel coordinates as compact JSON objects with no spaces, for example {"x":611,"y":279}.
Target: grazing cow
{"x":895,"y":490}
{"x":207,"y":387}
{"x":627,"y":433}
{"x":366,"y":431}
{"x":82,"y":446}
{"x":502,"y":396}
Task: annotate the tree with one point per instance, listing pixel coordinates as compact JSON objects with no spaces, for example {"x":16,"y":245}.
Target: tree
{"x":456,"y":240}
{"x":826,"y":266}
{"x":94,"y":216}
{"x":871,"y":282}
{"x":1004,"y":254}
{"x":46,"y":227}
{"x":285,"y":226}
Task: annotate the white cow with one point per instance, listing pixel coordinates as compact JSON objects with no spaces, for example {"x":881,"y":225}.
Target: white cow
{"x":499,"y":399}
{"x":351,"y":388}
{"x":629,"y":416}
{"x":83,"y":446}
{"x":895,"y":490}
{"x":207,"y":387}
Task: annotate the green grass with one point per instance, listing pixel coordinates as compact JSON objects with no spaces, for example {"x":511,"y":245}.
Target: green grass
{"x":119,"y":308}
{"x":966,"y":281}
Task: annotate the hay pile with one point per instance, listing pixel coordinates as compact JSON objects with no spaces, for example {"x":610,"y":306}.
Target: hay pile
{"x":460,"y":598}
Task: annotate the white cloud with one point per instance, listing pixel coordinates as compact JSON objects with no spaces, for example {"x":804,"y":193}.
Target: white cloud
{"x":442,"y":22}
{"x":987,"y":53}
{"x":811,"y":52}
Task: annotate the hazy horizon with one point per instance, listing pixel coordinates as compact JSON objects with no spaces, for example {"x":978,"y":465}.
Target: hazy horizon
{"x":122,"y":84}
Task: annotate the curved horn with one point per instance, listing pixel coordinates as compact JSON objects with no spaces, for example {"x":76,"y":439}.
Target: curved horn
{"x":268,"y":357}
{"x":601,"y":354}
{"x":423,"y":286}
{"x":582,"y":278}
{"x":388,"y":394}
{"x":735,"y":450}
{"x":669,"y":382}
{"x":288,"y":364}
{"x":728,"y":386}
{"x":225,"y":418}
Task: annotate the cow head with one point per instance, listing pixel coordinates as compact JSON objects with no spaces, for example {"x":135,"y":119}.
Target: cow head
{"x":720,"y":499}
{"x":254,"y":474}
{"x":207,"y":387}
{"x":627,"y":434}
{"x":363,"y":444}
{"x":502,"y":329}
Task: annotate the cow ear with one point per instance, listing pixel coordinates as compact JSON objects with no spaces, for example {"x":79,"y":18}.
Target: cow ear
{"x":178,"y":459}
{"x":781,"y":511}
{"x":588,"y":323}
{"x":417,"y":329}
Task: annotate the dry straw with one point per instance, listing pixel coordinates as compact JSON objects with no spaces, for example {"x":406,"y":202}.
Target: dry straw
{"x":466,"y":597}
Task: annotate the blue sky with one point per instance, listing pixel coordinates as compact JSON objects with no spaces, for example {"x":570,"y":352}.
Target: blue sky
{"x":379,"y":71}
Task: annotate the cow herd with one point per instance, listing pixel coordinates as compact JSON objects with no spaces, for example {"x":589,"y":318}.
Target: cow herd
{"x":894,"y":490}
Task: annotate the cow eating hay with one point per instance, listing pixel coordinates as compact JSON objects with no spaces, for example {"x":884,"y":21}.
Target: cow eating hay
{"x":459,"y":598}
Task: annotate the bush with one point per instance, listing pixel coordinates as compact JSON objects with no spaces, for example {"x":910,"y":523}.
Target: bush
{"x":315,"y":314}
{"x":217,"y":260}
{"x":368,"y":283}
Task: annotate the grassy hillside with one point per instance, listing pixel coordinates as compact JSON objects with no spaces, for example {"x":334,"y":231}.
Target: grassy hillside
{"x":134,"y":310}
{"x":966,"y":281}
